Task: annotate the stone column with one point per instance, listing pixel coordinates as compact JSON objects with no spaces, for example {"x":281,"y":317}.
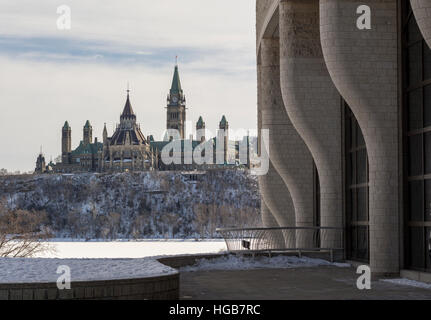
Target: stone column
{"x":271,"y":186}
{"x":268,"y":220}
{"x":313,"y":104}
{"x":363,"y":66}
{"x":288,"y":152}
{"x":422,"y":12}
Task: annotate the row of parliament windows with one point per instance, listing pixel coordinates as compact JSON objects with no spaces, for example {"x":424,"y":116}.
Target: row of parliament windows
{"x":417,"y":146}
{"x":174,"y":115}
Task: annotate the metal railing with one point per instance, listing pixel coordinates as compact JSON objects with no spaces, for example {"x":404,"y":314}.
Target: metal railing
{"x":293,"y":239}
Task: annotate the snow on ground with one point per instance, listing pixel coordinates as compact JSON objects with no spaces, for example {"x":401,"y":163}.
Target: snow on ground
{"x":22,"y":270}
{"x":233,"y":262}
{"x":95,"y":260}
{"x":407,"y":282}
{"x":131,"y":249}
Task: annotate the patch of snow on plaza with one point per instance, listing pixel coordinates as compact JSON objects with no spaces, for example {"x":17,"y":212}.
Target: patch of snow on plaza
{"x":410,"y":283}
{"x":233,"y":262}
{"x":130,"y":249}
{"x":24,"y":270}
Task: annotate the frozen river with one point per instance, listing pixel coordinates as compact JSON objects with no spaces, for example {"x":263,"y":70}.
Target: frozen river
{"x":130,"y":249}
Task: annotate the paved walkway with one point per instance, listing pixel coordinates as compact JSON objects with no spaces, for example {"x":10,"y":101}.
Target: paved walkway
{"x":289,"y":284}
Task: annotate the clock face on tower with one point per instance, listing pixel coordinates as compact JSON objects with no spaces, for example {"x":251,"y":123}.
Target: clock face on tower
{"x":175,"y":99}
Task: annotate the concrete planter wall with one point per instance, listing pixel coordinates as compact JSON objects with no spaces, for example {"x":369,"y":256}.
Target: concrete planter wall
{"x":156,"y":288}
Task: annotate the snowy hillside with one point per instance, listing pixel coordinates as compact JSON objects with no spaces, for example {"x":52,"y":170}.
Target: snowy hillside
{"x":137,"y":205}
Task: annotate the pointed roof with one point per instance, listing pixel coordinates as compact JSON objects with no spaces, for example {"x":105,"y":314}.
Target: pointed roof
{"x":66,"y":125}
{"x":176,"y":83}
{"x":128,"y":111}
{"x":200,"y":121}
{"x":223,"y":121}
{"x":87,"y":124}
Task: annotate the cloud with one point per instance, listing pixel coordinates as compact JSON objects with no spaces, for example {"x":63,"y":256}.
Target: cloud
{"x":49,"y":76}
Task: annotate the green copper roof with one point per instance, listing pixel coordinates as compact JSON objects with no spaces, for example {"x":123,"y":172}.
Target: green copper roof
{"x":223,"y":121}
{"x":66,"y":125}
{"x":90,"y":148}
{"x":176,"y":83}
{"x":87,"y":124}
{"x":200,"y":121}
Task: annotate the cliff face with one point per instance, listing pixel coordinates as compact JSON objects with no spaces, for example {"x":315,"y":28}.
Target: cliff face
{"x":137,"y":205}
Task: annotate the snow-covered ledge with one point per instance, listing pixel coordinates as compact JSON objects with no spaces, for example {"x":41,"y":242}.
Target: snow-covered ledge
{"x":152,"y":278}
{"x":36,"y":279}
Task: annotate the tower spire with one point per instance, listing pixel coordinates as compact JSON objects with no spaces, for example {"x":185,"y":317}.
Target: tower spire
{"x":176,"y":83}
{"x":128,"y":111}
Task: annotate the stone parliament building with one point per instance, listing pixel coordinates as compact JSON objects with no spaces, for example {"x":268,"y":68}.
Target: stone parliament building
{"x":129,"y":150}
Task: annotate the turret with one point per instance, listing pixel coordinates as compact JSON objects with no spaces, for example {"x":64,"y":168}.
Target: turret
{"x":105,"y":135}
{"x":40,"y":163}
{"x":224,"y":135}
{"x":200,"y":130}
{"x":66,"y":143}
{"x":176,"y":110}
{"x":88,"y":133}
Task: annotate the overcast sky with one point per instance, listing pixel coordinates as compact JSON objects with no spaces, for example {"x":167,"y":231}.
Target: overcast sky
{"x":48,"y":75}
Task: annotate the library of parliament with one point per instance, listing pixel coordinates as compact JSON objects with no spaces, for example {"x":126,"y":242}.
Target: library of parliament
{"x":129,"y":150}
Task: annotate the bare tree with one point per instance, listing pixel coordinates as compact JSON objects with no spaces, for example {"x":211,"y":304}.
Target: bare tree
{"x":22,"y":232}
{"x":114,"y":224}
{"x":201,"y":219}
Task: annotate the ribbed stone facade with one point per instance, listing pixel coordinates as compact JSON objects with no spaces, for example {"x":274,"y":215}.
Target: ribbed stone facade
{"x":422,"y":12}
{"x":311,"y":100}
{"x":268,"y":219}
{"x":363,"y":66}
{"x":288,"y":152}
{"x":354,"y":85}
{"x":263,"y":8}
{"x":277,"y":210}
{"x":271,"y":186}
{"x":276,"y":236}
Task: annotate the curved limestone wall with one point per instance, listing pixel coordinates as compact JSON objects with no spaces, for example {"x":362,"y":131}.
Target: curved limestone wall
{"x":312,"y":101}
{"x":287,"y":150}
{"x":269,"y":221}
{"x":277,"y":211}
{"x":422,"y":12}
{"x":363,"y":67}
